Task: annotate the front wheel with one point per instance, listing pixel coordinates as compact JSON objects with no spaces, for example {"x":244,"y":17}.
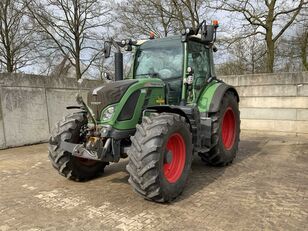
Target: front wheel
{"x":74,"y":168}
{"x":160,"y":157}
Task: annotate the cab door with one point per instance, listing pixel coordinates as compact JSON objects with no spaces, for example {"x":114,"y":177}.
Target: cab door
{"x":198,"y":58}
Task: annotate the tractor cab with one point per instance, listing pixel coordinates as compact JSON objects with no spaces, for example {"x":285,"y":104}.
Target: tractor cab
{"x":184,"y":63}
{"x":163,"y":59}
{"x":173,"y":61}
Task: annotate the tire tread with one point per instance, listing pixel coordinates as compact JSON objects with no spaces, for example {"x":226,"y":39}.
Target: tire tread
{"x":143,"y":158}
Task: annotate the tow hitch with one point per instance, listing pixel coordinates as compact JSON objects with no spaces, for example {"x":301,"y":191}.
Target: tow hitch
{"x":93,"y":151}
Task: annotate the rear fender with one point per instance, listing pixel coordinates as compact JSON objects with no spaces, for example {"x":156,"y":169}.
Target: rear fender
{"x":211,"y":97}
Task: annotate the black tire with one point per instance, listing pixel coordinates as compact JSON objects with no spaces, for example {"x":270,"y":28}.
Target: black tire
{"x":222,"y":154}
{"x":147,"y":157}
{"x":69,"y":166}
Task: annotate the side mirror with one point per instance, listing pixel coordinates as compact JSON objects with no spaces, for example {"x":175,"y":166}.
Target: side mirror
{"x":107,"y":49}
{"x":208,"y":33}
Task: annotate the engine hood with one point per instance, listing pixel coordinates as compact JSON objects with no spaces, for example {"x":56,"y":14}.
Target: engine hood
{"x":107,"y":94}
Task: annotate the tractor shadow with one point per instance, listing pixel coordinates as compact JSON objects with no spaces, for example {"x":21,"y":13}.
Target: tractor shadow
{"x":116,"y":168}
{"x":203,"y":175}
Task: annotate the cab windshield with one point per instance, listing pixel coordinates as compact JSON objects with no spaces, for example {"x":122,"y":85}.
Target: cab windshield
{"x":160,"y":60}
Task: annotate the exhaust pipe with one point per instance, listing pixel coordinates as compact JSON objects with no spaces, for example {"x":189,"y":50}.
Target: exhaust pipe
{"x":118,"y":66}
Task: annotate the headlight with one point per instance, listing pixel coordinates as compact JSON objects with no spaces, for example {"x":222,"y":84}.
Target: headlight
{"x":108,"y":113}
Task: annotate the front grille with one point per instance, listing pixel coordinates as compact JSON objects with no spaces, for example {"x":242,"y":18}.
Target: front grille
{"x":107,"y":94}
{"x":129,"y":107}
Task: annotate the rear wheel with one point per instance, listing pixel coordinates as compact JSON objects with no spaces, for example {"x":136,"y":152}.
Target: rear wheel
{"x":160,"y":157}
{"x":225,"y":133}
{"x":70,"y":129}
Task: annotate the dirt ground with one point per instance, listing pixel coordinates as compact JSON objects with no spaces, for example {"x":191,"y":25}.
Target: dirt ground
{"x":265,"y":189}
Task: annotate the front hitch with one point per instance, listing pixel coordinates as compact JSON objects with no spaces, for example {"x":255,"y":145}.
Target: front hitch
{"x":79,"y":150}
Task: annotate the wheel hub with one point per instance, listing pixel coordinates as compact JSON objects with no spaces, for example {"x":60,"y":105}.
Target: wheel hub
{"x":168,"y":157}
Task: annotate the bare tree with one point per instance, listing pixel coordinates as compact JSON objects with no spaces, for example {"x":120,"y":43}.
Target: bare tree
{"x":188,"y":12}
{"x":302,"y":37}
{"x":304,"y":48}
{"x":17,"y":42}
{"x":230,"y":67}
{"x":292,"y":52}
{"x":250,"y":52}
{"x":140,"y":17}
{"x":243,"y":56}
{"x":74,"y":26}
{"x":269,"y":18}
{"x":163,"y":17}
{"x":292,"y":49}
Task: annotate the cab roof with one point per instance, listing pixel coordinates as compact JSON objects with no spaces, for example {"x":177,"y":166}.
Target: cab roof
{"x":144,"y":44}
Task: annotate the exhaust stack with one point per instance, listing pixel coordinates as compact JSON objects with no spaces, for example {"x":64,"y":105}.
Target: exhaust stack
{"x":118,"y":66}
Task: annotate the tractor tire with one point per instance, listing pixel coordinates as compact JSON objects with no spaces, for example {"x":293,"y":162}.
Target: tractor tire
{"x":70,"y":129}
{"x":160,"y":157}
{"x":225,"y":133}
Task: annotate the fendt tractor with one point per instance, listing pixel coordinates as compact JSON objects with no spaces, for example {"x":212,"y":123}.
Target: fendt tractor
{"x":169,"y":107}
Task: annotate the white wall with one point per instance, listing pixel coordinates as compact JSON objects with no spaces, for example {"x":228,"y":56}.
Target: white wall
{"x":273,"y":102}
{"x":31,"y":105}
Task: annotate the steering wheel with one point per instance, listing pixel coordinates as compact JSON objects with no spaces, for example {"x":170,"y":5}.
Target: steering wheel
{"x":167,"y":73}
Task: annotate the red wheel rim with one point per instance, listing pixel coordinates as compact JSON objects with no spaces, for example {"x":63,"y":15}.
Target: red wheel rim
{"x":228,"y":128}
{"x":176,"y":149}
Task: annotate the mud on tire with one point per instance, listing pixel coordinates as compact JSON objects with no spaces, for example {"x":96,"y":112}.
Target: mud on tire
{"x":69,"y":166}
{"x":151,"y":175}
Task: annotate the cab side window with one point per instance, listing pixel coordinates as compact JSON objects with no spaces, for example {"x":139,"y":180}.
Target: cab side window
{"x":198,"y":59}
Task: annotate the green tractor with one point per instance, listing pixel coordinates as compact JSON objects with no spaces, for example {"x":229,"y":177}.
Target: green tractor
{"x":169,"y":107}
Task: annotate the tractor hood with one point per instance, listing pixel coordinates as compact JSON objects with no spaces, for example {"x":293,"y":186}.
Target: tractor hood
{"x":107,"y":94}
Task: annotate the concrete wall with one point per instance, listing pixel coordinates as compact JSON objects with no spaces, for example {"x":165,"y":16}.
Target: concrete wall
{"x":273,"y":102}
{"x":31,"y":105}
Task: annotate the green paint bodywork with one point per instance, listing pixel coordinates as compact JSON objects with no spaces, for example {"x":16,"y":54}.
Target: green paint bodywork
{"x":149,"y":88}
{"x":152,"y":89}
{"x":205,"y":98}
